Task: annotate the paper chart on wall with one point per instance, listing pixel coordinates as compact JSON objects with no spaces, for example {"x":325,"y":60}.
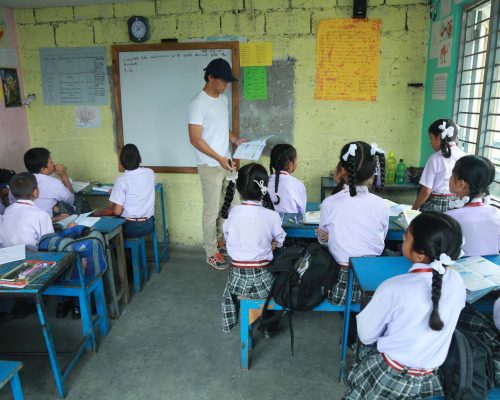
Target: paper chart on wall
{"x":256,"y":54}
{"x":439,"y":86}
{"x":347,"y":59}
{"x":441,"y":34}
{"x":88,"y":117}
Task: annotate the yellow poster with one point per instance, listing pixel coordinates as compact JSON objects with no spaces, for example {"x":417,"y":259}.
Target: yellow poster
{"x":256,"y":54}
{"x":347,"y":59}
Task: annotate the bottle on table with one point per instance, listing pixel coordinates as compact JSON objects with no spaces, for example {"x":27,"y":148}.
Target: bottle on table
{"x":390,"y":169}
{"x":400,"y":172}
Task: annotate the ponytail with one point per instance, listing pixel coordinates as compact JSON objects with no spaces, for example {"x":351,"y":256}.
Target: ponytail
{"x":228,"y":199}
{"x":445,"y":148}
{"x":267,"y":201}
{"x":435,"y":322}
{"x":381,"y":161}
{"x":351,"y":172}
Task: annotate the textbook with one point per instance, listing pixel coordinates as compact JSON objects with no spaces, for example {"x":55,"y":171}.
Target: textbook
{"x":396,"y":209}
{"x":103,"y":188}
{"x":480,"y":276}
{"x":311,"y":218}
{"x":24,"y":273}
{"x":251,"y":150}
{"x":79,"y":186}
{"x":406,"y":217}
{"x":82,"y":219}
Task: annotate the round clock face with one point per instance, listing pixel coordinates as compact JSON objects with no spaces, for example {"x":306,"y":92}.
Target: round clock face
{"x":138,"y":29}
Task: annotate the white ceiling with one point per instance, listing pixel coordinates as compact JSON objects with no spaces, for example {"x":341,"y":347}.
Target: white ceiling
{"x":55,"y":3}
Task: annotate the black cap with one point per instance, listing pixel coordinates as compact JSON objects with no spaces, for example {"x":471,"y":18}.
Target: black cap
{"x":221,"y":69}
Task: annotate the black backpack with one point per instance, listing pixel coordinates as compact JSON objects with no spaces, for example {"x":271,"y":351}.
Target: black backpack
{"x":468,"y":368}
{"x":302,"y":279}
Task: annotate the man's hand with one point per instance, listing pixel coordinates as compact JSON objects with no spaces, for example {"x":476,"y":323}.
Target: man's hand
{"x":60,"y":170}
{"x":226,"y":163}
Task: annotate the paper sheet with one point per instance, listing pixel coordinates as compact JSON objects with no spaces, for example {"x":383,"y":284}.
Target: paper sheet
{"x":256,"y":54}
{"x":251,"y":150}
{"x":12,"y":253}
{"x":439,"y":86}
{"x":255,"y":83}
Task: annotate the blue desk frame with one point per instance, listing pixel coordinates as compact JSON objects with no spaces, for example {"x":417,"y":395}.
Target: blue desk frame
{"x":45,"y":285}
{"x":158,"y":189}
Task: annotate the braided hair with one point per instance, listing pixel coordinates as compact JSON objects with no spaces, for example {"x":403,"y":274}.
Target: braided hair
{"x":434,"y":234}
{"x":360,"y":167}
{"x":435,"y":130}
{"x":281,"y":155}
{"x":478,"y":172}
{"x":248,"y":188}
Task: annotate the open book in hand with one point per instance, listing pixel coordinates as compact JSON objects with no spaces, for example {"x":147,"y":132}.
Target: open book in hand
{"x":406,"y":217}
{"x":480,"y":276}
{"x":82,"y":219}
{"x":251,"y":150}
{"x":79,"y":186}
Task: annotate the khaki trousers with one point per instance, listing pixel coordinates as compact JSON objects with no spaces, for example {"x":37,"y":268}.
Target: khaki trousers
{"x":213,"y":189}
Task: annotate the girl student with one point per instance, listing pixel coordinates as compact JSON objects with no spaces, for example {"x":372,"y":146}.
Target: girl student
{"x":409,"y":323}
{"x":435,"y":194}
{"x":287,"y":193}
{"x":353,"y":221}
{"x":480,"y":222}
{"x":252,"y":230}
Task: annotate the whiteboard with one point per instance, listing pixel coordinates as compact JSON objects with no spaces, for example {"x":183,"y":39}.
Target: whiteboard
{"x":153,"y":87}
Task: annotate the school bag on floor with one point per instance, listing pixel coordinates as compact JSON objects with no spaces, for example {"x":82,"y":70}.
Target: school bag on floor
{"x":302,"y":279}
{"x":468,"y":369}
{"x":87,"y":242}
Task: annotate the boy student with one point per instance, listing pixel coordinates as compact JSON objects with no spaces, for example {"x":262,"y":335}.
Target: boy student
{"x":39,"y":162}
{"x":5,"y":196}
{"x":22,"y":222}
{"x":209,"y":133}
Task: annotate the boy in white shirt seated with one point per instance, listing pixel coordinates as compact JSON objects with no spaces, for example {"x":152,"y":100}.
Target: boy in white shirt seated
{"x":5,"y":195}
{"x":52,"y":190}
{"x":22,"y":222}
{"x":133,"y":194}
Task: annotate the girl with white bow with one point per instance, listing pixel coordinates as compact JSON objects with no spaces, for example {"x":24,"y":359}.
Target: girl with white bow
{"x":480,"y":222}
{"x":434,"y":194}
{"x":353,"y":221}
{"x":252,"y":230}
{"x":402,"y":355}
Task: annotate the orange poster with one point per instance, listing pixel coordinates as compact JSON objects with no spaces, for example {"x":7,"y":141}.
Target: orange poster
{"x":347,"y":59}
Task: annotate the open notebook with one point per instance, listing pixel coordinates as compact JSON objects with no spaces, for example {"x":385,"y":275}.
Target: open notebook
{"x":82,"y":219}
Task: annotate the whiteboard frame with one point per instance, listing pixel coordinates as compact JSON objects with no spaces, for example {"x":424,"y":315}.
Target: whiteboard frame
{"x":235,"y":61}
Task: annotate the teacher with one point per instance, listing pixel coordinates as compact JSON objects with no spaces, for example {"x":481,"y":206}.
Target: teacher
{"x":209,"y":133}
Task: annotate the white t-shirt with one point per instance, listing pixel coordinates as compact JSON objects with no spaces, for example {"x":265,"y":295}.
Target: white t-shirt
{"x":212,"y":114}
{"x":437,"y":171}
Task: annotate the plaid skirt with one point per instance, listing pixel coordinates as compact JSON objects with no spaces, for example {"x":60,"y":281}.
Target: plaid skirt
{"x":437,"y":203}
{"x":254,"y":283}
{"x":338,"y":294}
{"x":484,"y":328}
{"x":372,"y":378}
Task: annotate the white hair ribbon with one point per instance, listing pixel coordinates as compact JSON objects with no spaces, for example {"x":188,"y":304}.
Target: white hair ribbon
{"x":263,"y":188}
{"x":438,"y":265}
{"x":458,"y":203}
{"x":462,"y":252}
{"x":233,"y":178}
{"x":350,"y":152}
{"x":446,"y":132}
{"x":375,"y":149}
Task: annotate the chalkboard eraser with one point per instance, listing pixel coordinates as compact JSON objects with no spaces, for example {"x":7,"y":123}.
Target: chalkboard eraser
{"x":171,"y":40}
{"x":416,"y":85}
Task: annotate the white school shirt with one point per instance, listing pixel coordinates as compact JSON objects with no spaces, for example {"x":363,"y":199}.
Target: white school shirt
{"x":212,"y":113}
{"x":397,"y":318}
{"x":51,"y":190}
{"x":480,"y":225}
{"x":356,"y":226}
{"x":24,"y":223}
{"x":249,"y":230}
{"x":437,"y":170}
{"x":292,"y":193}
{"x":496,"y":313}
{"x":135,"y":192}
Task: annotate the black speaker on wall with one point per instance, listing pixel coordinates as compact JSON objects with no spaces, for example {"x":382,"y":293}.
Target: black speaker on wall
{"x":359,"y":9}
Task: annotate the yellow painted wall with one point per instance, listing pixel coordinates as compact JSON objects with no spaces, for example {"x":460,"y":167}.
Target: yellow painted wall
{"x":321,"y":127}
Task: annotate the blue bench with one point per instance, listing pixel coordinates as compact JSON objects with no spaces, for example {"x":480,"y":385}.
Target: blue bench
{"x":257,"y":304}
{"x":9,"y":371}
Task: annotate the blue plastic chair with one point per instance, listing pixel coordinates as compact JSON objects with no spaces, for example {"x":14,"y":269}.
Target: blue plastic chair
{"x":9,"y":372}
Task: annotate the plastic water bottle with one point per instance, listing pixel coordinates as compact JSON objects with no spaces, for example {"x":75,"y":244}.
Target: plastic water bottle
{"x":400,"y":172}
{"x":390,"y":169}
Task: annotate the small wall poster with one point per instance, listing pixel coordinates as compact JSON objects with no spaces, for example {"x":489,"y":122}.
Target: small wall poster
{"x":88,"y":117}
{"x":10,"y":85}
{"x":439,"y":86}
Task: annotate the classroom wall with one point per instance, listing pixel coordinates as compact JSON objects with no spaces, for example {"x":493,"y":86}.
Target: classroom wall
{"x":14,"y":136}
{"x":321,"y":127}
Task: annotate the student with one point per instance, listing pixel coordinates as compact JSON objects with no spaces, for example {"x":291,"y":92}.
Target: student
{"x":23,"y":223}
{"x":434,"y":193}
{"x":480,"y":222}
{"x":6,"y":197}
{"x":408,"y":324}
{"x":52,"y":190}
{"x":133,"y":194}
{"x":353,"y":221}
{"x":252,"y":231}
{"x":287,"y":193}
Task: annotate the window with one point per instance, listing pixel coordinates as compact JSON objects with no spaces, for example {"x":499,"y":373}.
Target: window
{"x":477,"y":92}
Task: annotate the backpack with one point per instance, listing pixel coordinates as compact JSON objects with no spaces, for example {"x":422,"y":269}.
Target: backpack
{"x":87,"y":242}
{"x":302,"y":279}
{"x":468,"y":368}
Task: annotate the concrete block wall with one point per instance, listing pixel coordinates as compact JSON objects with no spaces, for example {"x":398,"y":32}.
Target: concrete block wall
{"x":321,"y":127}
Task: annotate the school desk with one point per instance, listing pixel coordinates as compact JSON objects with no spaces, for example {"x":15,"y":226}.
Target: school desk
{"x":327,"y":185}
{"x":45,"y":285}
{"x":294,"y":228}
{"x":111,"y":229}
{"x":88,"y":192}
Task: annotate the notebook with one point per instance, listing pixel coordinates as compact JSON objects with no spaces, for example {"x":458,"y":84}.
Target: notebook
{"x":82,"y":219}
